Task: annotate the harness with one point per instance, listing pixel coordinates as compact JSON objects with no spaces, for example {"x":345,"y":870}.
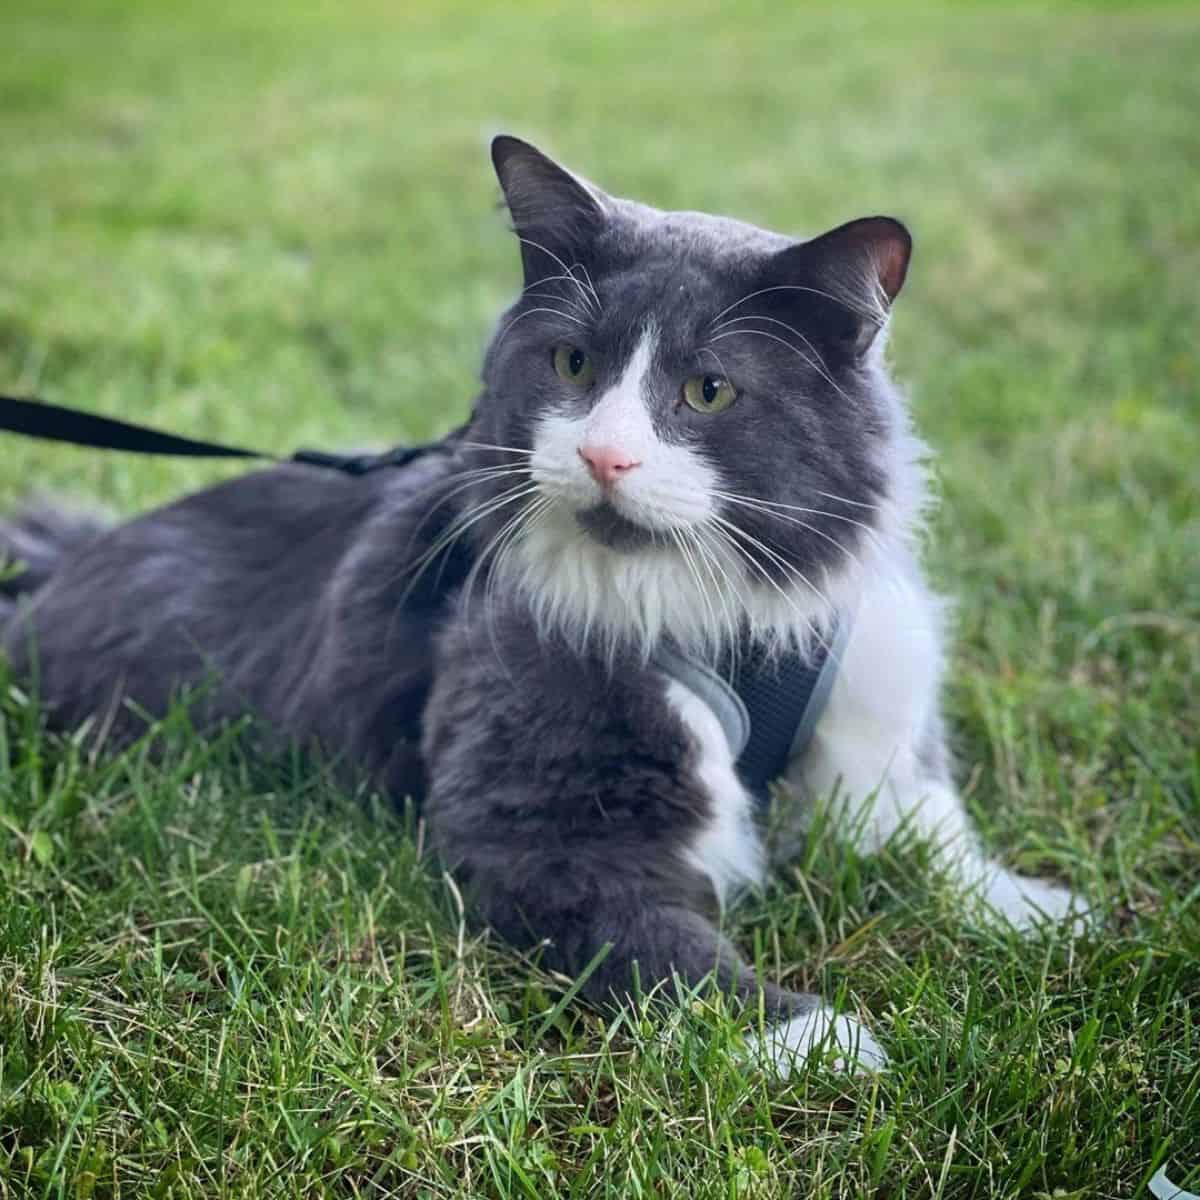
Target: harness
{"x":768,"y":706}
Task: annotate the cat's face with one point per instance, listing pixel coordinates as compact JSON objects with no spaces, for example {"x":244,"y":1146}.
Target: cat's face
{"x":688,"y":416}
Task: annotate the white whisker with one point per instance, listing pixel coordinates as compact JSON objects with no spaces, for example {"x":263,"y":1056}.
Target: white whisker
{"x":717,"y":358}
{"x":529,"y":312}
{"x":565,"y":296}
{"x":591,"y":286}
{"x":568,"y":273}
{"x":690,"y":565}
{"x":467,"y":479}
{"x":496,"y":545}
{"x":782,"y":563}
{"x":819,"y":363}
{"x":465,"y":521}
{"x":728,"y":591}
{"x":768,"y":508}
{"x":817,"y":366}
{"x":803,"y":618}
{"x":844,"y":301}
{"x":852,"y":503}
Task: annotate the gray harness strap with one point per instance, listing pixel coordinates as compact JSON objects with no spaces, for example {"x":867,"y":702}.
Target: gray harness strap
{"x":768,"y":707}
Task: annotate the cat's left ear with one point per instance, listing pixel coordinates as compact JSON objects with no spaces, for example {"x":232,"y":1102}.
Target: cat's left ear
{"x":555,"y":214}
{"x":846,"y":279}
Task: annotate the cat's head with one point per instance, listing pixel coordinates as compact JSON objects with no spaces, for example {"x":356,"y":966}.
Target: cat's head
{"x":686,"y":427}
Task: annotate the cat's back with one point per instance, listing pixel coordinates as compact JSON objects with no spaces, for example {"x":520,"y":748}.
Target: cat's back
{"x":228,"y":588}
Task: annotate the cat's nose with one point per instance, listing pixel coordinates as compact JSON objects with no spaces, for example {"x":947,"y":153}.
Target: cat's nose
{"x":607,"y":463}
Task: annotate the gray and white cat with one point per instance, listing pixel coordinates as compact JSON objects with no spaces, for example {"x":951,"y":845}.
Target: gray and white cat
{"x":686,"y":432}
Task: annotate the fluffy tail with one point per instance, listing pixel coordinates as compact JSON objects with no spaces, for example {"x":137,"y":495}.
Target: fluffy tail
{"x":33,"y":542}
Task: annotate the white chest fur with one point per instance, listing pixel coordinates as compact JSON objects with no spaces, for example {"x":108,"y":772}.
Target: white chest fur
{"x":728,"y":849}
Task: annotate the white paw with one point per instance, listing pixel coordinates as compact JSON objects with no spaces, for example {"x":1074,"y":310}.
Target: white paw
{"x":1025,"y":903}
{"x":786,"y":1046}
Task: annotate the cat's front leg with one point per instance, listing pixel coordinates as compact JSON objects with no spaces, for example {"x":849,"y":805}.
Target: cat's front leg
{"x":903,"y":798}
{"x":880,"y":751}
{"x":592,"y":814}
{"x":629,"y":935}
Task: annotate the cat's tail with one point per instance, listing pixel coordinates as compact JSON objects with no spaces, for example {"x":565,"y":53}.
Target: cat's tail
{"x":34,"y":542}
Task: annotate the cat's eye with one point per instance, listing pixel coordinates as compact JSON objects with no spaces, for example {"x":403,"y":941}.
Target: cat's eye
{"x":573,"y":364}
{"x":709,"y":393}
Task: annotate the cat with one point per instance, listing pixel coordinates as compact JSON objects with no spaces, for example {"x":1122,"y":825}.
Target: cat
{"x":687,"y":435}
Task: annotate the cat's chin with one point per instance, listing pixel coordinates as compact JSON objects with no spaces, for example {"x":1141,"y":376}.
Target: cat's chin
{"x":604,"y":524}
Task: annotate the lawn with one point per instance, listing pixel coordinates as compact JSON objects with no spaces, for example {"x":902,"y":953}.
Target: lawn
{"x":275,"y":223}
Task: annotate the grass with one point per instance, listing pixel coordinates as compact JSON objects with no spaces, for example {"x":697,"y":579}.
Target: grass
{"x":274,"y":224}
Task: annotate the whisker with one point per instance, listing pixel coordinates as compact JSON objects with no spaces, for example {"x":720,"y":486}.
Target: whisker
{"x":767,"y":507}
{"x":748,"y":559}
{"x":789,"y":568}
{"x":820,"y":363}
{"x":467,"y":479}
{"x":805,"y":525}
{"x":482,"y":511}
{"x":493,"y":446}
{"x":703,"y":557}
{"x":844,"y":301}
{"x":465,"y":521}
{"x":717,"y":357}
{"x":689,"y":563}
{"x":529,"y":312}
{"x":729,"y":594}
{"x":585,"y":316}
{"x":591,"y":286}
{"x":566,"y":270}
{"x":496,"y":545}
{"x":812,"y":627}
{"x":817,"y":366}
{"x":462,"y":522}
{"x":528,"y":515}
{"x":566,"y":296}
{"x":531,"y":518}
{"x":832,"y":541}
{"x":853,"y":503}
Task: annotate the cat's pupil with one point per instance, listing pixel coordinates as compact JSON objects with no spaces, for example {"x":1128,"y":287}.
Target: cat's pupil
{"x":575,"y":362}
{"x":710,"y":389}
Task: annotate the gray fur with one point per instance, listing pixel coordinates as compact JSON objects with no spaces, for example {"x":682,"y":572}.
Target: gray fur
{"x":562,"y":789}
{"x":562,"y":792}
{"x":283,"y":593}
{"x":34,"y":542}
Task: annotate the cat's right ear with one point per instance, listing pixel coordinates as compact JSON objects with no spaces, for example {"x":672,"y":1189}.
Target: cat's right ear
{"x":555,"y":215}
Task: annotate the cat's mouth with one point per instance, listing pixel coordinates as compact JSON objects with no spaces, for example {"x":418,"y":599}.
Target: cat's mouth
{"x":613,"y":529}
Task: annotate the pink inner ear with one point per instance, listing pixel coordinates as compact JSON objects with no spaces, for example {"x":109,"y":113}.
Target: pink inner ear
{"x":889,"y":245}
{"x":891,"y":261}
{"x":880,"y":244}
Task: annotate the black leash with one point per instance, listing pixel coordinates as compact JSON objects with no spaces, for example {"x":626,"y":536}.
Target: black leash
{"x":55,"y":423}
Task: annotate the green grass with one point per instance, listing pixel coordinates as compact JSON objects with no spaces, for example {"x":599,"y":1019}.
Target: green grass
{"x":274,"y":223}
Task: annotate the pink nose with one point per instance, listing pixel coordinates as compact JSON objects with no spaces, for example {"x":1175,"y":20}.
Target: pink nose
{"x":607,"y":463}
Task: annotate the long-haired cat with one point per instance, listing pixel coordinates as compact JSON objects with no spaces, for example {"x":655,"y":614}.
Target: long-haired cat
{"x":686,"y":435}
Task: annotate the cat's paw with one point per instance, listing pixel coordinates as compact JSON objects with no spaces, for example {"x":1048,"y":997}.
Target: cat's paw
{"x":843,"y":1042}
{"x":1026,"y":903}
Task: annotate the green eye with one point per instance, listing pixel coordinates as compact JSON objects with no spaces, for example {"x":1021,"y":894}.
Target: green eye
{"x":573,"y":365}
{"x":709,"y":393}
